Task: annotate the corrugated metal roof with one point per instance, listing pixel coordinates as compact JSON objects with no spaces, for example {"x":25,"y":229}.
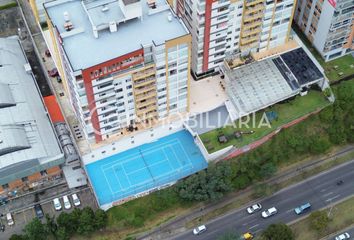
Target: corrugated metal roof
{"x":26,"y":132}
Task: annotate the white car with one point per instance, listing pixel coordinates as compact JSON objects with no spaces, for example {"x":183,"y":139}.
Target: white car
{"x":254,"y":208}
{"x":57,"y":204}
{"x":269,"y":212}
{"x":199,"y":230}
{"x":10,"y":220}
{"x":343,"y":236}
{"x":67,"y":204}
{"x":76,"y":200}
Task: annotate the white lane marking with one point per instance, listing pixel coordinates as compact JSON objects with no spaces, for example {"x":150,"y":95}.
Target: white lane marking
{"x":258,"y":230}
{"x":323,"y":190}
{"x":254,"y":220}
{"x":327,"y":194}
{"x":330,"y":199}
{"x":290,"y":210}
{"x":254,"y":226}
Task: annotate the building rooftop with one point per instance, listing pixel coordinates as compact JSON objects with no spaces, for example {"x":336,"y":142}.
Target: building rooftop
{"x":263,"y":83}
{"x":26,"y":134}
{"x":105,"y":29}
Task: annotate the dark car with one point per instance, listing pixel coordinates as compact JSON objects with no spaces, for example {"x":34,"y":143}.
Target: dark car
{"x":53,"y":73}
{"x":47,"y":53}
{"x":39,"y":211}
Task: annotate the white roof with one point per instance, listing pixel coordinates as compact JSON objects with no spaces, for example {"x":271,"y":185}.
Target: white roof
{"x":25,"y":129}
{"x":84,"y":50}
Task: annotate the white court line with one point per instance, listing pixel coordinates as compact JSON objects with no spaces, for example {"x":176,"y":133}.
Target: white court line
{"x":112,"y":192}
{"x":115,"y":174}
{"x":186,"y":156}
{"x":168,"y":160}
{"x":127,"y":158}
{"x":190,"y":160}
{"x":157,"y":163}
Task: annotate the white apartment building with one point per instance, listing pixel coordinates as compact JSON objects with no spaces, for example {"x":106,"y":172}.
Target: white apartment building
{"x":223,"y":28}
{"x":119,"y":68}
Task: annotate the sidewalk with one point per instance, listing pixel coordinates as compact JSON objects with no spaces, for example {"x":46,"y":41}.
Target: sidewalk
{"x":177,"y":225}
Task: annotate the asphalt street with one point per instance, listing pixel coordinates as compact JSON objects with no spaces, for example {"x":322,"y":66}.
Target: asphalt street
{"x":320,"y":190}
{"x":350,"y":231}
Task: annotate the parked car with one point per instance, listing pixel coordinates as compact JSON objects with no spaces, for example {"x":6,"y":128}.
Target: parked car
{"x":254,"y":208}
{"x":67,"y":204}
{"x":39,"y":211}
{"x":57,"y":204}
{"x":10,"y":220}
{"x":76,"y":200}
{"x":53,"y":73}
{"x":343,"y":236}
{"x":199,"y":230}
{"x":247,"y":236}
{"x":302,"y":208}
{"x":269,"y":212}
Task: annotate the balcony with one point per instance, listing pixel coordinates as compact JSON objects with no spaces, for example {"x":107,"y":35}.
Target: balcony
{"x":147,"y":102}
{"x":145,"y":96}
{"x":251,"y":25}
{"x":252,"y":31}
{"x":249,"y":46}
{"x":144,"y":89}
{"x":248,"y":40}
{"x":251,"y":17}
{"x":256,"y":8}
{"x":143,"y":74}
{"x":146,"y":110}
{"x":143,"y":82}
{"x":253,"y":2}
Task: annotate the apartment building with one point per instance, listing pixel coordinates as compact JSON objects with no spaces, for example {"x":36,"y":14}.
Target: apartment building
{"x":123,"y":61}
{"x":30,"y":153}
{"x":328,"y":24}
{"x":233,"y":28}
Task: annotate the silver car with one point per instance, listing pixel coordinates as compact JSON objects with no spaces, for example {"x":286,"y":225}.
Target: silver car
{"x":343,"y":236}
{"x":254,"y":208}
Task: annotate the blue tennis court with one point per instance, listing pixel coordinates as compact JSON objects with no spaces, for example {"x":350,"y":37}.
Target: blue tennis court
{"x":145,"y":167}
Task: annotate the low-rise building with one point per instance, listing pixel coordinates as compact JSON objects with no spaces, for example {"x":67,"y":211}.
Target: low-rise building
{"x":30,"y":153}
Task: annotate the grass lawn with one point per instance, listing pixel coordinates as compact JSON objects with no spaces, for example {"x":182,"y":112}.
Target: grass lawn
{"x":341,"y":217}
{"x":286,"y":113}
{"x":332,"y":74}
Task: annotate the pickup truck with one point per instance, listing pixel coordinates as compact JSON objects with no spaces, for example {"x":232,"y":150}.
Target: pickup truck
{"x":302,"y":208}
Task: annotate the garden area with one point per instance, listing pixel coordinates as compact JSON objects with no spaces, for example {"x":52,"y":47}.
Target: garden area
{"x":336,"y":69}
{"x":285,"y":113}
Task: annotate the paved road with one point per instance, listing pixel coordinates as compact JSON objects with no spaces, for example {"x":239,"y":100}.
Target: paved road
{"x":320,"y":190}
{"x":349,"y":230}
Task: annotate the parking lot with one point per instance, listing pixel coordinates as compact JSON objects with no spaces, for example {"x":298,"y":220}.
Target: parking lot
{"x":23,"y":217}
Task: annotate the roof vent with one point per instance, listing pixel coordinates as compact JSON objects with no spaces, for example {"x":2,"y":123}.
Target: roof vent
{"x":112,"y":26}
{"x":68,"y":25}
{"x":66,"y":16}
{"x":104,"y":8}
{"x":169,"y":17}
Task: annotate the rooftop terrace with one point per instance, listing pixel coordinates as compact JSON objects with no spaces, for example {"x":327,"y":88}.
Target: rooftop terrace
{"x":105,"y":29}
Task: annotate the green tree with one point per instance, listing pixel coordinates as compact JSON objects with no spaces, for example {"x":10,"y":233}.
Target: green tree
{"x":267,"y":170}
{"x":35,"y":230}
{"x":319,"y":221}
{"x":279,"y":231}
{"x":62,"y":234}
{"x":210,"y":184}
{"x":65,"y":221}
{"x":100,"y":219}
{"x":50,"y":225}
{"x":86,"y":222}
{"x":16,"y":237}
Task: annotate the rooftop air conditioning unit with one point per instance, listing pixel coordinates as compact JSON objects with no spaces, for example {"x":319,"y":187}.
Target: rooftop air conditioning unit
{"x":104,"y":8}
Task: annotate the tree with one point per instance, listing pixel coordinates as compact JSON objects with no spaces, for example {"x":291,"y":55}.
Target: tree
{"x":267,"y":170}
{"x":16,"y":237}
{"x":35,"y":230}
{"x":65,"y":221}
{"x":86,"y":222}
{"x":62,"y":234}
{"x":319,"y":221}
{"x":100,"y":219}
{"x":50,"y":225}
{"x":279,"y":231}
{"x":210,"y":184}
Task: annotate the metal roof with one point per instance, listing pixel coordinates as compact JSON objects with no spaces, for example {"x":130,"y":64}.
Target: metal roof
{"x":26,"y":134}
